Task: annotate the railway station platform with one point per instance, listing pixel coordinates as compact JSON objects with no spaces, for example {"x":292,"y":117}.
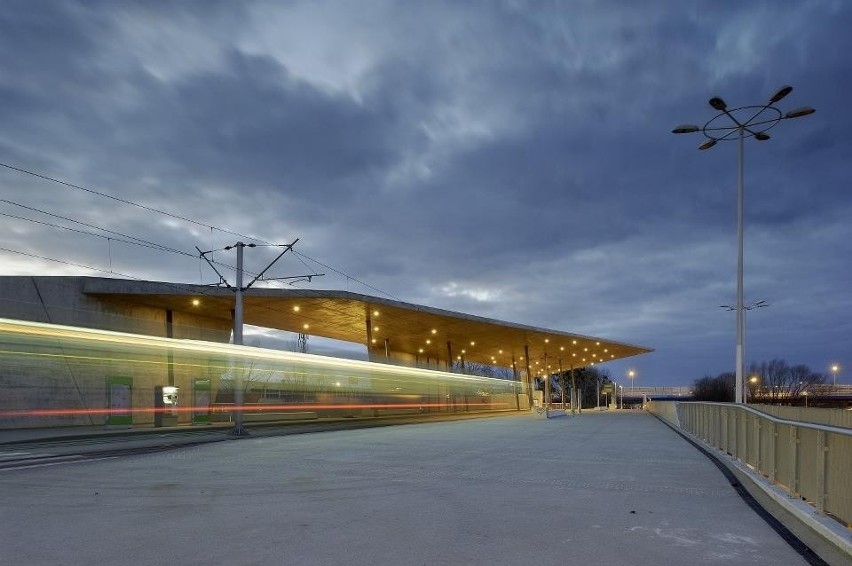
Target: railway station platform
{"x":610,"y":487}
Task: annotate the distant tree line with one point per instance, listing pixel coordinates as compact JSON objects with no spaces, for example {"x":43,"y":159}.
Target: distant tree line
{"x":588,"y":381}
{"x":774,"y":382}
{"x":483,"y":370}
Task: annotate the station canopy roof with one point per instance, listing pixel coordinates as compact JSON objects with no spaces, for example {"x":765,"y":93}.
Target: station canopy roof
{"x":410,"y":329}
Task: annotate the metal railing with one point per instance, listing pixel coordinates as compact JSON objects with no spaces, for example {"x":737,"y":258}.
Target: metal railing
{"x":810,"y":461}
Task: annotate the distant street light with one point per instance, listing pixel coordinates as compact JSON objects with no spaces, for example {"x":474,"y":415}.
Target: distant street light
{"x":743,"y":122}
{"x":631,"y":374}
{"x":753,"y":381}
{"x":834,"y":369}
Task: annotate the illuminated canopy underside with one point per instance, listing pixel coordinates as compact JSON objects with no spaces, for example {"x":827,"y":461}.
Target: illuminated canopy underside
{"x":412,"y":330}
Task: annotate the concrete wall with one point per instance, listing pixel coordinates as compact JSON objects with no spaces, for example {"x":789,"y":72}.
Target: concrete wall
{"x":48,"y":379}
{"x":666,"y":410}
{"x":62,"y":300}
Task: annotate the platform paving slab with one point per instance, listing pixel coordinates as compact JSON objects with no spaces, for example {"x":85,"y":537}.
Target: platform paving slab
{"x":601,"y":488}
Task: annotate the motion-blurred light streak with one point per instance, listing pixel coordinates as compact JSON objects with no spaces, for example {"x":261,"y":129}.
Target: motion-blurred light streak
{"x":56,"y":374}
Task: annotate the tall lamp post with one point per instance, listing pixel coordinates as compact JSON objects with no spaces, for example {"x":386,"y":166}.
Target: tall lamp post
{"x":738,"y":124}
{"x":631,"y":374}
{"x":834,"y":369}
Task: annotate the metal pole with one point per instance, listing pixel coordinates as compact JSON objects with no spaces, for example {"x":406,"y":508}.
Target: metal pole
{"x":765,"y":116}
{"x":738,"y":392}
{"x":530,"y":379}
{"x":745,"y":378}
{"x":574,"y":397}
{"x":546,"y":388}
{"x":238,"y":340}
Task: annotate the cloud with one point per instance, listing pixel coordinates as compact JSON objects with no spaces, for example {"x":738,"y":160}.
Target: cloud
{"x":508,"y":159}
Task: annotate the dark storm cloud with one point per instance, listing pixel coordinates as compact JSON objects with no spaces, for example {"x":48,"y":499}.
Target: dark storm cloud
{"x":508,"y":159}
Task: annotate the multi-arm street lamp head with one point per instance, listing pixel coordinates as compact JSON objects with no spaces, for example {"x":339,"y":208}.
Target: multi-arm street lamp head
{"x":782,"y":92}
{"x":719,"y":104}
{"x":750,"y":121}
{"x":685,"y":129}
{"x":799,"y":112}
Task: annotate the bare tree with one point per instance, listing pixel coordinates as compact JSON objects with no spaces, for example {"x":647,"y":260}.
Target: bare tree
{"x":777,"y":382}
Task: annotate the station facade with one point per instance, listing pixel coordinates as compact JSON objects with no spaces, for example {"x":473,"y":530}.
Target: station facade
{"x":393,"y":333}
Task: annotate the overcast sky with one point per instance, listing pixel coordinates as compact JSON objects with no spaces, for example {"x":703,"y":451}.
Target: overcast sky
{"x":507,"y":159}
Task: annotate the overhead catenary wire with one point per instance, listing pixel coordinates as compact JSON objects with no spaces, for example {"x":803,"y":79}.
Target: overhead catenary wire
{"x":166,"y":248}
{"x":111,"y":271}
{"x":125,"y":239}
{"x":125,"y":201}
{"x":175,"y":286}
{"x":186,"y":219}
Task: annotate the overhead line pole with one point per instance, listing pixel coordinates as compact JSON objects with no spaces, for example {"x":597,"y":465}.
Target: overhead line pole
{"x":239,"y":290}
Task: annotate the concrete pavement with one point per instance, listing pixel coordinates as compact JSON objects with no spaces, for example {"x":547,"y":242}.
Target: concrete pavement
{"x":606,"y":488}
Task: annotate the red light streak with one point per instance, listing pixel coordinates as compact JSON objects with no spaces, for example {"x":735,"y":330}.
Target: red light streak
{"x":228,"y":409}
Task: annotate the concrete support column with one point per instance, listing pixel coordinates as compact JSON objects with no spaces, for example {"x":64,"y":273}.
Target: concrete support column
{"x":547,"y":396}
{"x":574,"y":396}
{"x":170,"y":333}
{"x":369,"y":325}
{"x":515,"y":384}
{"x":529,"y":374}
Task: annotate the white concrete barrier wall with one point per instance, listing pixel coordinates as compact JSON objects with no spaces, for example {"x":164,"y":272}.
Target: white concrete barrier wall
{"x":666,"y":410}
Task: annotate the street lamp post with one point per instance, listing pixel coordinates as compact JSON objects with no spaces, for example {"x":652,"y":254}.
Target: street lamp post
{"x":743,"y":122}
{"x":834,"y":369}
{"x":631,"y":374}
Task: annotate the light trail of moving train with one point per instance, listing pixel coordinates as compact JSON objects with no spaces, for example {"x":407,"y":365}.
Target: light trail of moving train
{"x":52,"y":375}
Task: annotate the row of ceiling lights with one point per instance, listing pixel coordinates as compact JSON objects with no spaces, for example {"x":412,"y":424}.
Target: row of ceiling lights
{"x":434,"y":331}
